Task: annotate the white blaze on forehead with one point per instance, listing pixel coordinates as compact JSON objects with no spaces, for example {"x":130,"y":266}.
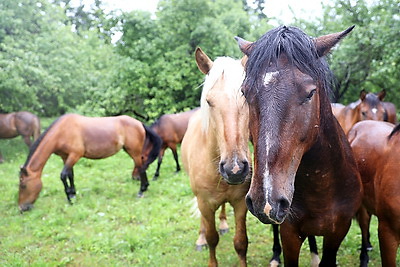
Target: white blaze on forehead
{"x":269,"y":76}
{"x":266,"y":181}
{"x":374,"y":110}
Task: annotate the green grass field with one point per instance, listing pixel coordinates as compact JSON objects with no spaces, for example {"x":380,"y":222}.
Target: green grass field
{"x":109,"y":226}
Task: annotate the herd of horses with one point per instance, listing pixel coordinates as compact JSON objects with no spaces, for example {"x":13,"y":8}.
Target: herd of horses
{"x":315,"y":166}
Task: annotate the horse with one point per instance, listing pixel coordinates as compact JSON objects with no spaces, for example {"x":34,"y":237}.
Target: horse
{"x":171,"y":128}
{"x":215,"y":151}
{"x":376,"y":147}
{"x":72,"y":137}
{"x":305,"y":177}
{"x":368,"y":107}
{"x":19,"y":123}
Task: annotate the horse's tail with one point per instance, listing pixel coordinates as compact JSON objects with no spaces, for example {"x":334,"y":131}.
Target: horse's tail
{"x":194,"y":208}
{"x":155,"y":140}
{"x":36,"y":128}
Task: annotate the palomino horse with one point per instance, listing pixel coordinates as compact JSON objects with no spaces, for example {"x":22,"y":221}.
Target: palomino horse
{"x":215,"y":150}
{"x":72,"y":137}
{"x":19,"y":123}
{"x":368,"y":107}
{"x":376,"y":147}
{"x":305,"y":176}
{"x":171,"y":128}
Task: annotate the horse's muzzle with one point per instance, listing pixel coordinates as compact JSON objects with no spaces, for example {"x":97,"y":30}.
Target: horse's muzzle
{"x":234,"y":173}
{"x":276,"y":214}
{"x":25,"y":207}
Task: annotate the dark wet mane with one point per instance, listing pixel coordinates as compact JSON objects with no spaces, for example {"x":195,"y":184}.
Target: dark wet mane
{"x":394,"y":131}
{"x":35,"y":145}
{"x":299,"y":49}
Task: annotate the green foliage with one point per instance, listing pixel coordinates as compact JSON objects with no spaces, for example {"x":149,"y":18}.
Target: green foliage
{"x":369,"y":57}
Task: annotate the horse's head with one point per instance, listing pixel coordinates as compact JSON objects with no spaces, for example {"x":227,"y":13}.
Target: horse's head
{"x":29,"y":189}
{"x":371,"y":107}
{"x":225,"y":115}
{"x":285,"y":83}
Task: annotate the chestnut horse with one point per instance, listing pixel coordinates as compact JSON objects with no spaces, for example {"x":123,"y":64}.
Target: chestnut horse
{"x":171,"y":128}
{"x":74,"y":136}
{"x":305,"y":176}
{"x":215,"y":151}
{"x":376,"y":147}
{"x":19,"y":123}
{"x":368,"y":107}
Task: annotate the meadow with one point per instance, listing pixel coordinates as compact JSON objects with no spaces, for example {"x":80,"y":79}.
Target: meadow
{"x":107,"y":225}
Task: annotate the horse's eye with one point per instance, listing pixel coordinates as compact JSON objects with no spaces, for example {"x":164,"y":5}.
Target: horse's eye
{"x":364,"y":113}
{"x":209,"y":102}
{"x":308,"y":98}
{"x":310,"y":95}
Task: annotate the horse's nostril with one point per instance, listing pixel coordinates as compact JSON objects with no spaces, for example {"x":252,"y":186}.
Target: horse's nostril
{"x":283,"y":208}
{"x":245,"y":168}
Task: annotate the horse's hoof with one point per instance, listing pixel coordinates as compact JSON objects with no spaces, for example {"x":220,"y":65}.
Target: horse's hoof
{"x":369,"y":248}
{"x":274,"y":263}
{"x":201,"y":247}
{"x":155,"y":178}
{"x":140,"y":195}
{"x":223,"y":231}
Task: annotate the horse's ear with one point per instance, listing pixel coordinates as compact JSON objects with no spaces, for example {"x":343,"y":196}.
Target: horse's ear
{"x":381,"y":95}
{"x":245,"y":46}
{"x":363,"y":94}
{"x":325,"y":43}
{"x":203,"y":61}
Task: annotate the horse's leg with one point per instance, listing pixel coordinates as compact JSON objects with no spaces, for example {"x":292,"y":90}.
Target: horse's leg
{"x":223,"y":223}
{"x":67,"y":172}
{"x":1,"y":158}
{"x":72,"y":191}
{"x":144,"y":183}
{"x":276,"y":248}
{"x":240,"y":240}
{"x":160,"y":158}
{"x":364,"y":219}
{"x":291,"y":244}
{"x":27,"y":140}
{"x":312,"y":243}
{"x":212,"y":237}
{"x":175,"y":153}
{"x":388,"y":243}
{"x":201,"y":241}
{"x":332,"y":243}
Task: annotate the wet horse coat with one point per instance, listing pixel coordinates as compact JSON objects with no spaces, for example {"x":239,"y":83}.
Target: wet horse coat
{"x":305,"y":177}
{"x":74,"y":136}
{"x":376,"y":147}
{"x":215,"y":150}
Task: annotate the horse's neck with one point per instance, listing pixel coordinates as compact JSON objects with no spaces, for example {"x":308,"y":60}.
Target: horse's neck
{"x":41,"y":154}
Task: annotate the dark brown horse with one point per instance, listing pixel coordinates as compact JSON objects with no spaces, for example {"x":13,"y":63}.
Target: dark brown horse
{"x":305,"y":176}
{"x":171,"y":128}
{"x":74,"y":136}
{"x":368,"y":107}
{"x":215,"y":151}
{"x":21,"y":123}
{"x":376,"y":147}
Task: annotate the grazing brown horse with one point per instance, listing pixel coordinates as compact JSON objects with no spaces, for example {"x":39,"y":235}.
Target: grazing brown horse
{"x":21,"y":123}
{"x":215,"y":150}
{"x":305,"y":176}
{"x":368,"y":107}
{"x":171,"y":128}
{"x":376,"y":147}
{"x":74,"y":136}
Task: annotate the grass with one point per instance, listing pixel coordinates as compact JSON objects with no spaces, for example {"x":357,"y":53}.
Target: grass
{"x":109,"y":226}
